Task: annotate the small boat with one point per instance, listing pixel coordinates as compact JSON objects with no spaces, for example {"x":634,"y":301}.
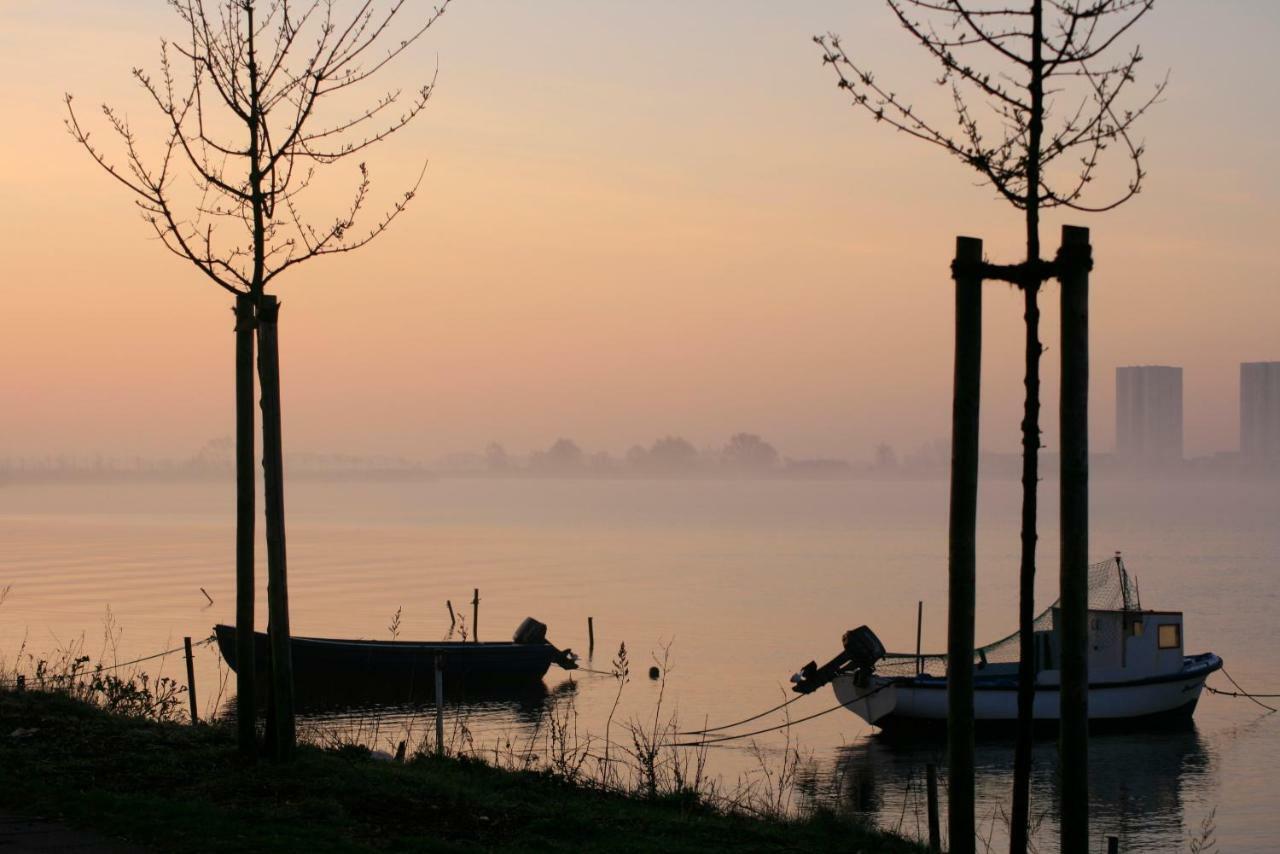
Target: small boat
{"x":526,"y":657}
{"x":1139,"y":675}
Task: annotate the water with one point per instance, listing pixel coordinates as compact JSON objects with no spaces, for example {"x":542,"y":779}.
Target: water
{"x":742,"y":581}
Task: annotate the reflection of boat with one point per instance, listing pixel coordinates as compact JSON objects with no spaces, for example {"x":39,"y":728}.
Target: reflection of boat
{"x":1138,"y":674}
{"x":361,"y":693}
{"x":1140,"y":784}
{"x":401,"y":665}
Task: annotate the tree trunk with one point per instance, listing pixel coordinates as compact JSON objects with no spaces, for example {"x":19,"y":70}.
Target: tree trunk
{"x":1020,"y":820}
{"x":277,"y":575}
{"x":962,"y":544}
{"x":1075,"y":260}
{"x":246,"y":696}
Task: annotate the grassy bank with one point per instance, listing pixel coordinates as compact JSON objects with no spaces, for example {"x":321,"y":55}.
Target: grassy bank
{"x":180,"y":788}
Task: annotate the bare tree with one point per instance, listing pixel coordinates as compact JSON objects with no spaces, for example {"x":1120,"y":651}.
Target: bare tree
{"x":1060,"y":70}
{"x":252,"y":101}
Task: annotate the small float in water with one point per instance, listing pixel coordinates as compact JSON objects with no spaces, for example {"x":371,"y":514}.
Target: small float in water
{"x":526,"y":657}
{"x":1139,"y":675}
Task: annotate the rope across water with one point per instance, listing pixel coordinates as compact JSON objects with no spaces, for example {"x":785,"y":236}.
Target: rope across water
{"x":784,"y":725}
{"x":100,"y":669}
{"x":1240,"y":692}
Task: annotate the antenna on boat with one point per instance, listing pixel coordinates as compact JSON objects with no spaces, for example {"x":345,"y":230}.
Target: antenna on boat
{"x":1124,"y":582}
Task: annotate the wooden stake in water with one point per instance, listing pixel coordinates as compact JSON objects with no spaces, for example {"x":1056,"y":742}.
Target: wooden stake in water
{"x":191,"y":681}
{"x":475,"y":616}
{"x":919,"y":625}
{"x":591,"y":636}
{"x":931,"y":788}
{"x":439,"y":704}
{"x":1113,"y":845}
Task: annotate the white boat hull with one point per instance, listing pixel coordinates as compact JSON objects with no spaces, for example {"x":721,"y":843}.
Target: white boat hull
{"x":897,"y":701}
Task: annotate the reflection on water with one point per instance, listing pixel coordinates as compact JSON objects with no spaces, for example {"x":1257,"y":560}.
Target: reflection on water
{"x":1138,"y":784}
{"x":524,"y":702}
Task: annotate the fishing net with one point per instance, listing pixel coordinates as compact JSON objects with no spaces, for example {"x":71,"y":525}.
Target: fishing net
{"x":1110,"y":589}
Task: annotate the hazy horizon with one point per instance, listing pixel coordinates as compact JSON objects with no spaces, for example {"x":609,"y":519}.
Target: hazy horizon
{"x":637,"y":219}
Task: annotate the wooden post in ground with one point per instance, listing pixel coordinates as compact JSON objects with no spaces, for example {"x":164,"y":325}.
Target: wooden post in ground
{"x":191,"y":681}
{"x":962,"y":544}
{"x":277,"y":573}
{"x":1074,"y":262}
{"x":439,"y":704}
{"x":246,"y":483}
{"x":931,"y":789}
{"x":1113,"y":845}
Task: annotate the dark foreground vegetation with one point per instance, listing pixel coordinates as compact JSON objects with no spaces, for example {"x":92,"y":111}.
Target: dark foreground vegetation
{"x":175,"y":787}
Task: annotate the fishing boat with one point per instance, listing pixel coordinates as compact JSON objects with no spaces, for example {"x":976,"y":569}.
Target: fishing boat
{"x":526,"y":657}
{"x":1139,"y":674}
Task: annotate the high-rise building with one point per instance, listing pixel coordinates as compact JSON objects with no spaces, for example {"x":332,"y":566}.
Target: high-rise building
{"x":1149,"y":414}
{"x":1260,"y":411}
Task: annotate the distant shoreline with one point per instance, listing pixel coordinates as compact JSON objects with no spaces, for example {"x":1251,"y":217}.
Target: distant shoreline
{"x":997,"y":470}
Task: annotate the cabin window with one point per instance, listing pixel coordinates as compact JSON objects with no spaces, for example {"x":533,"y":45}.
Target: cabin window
{"x":1170,"y":636}
{"x":1137,"y":628}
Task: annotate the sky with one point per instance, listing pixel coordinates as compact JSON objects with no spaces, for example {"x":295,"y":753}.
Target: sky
{"x":638,"y":219}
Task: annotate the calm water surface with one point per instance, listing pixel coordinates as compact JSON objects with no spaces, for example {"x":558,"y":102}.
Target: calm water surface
{"x":744,"y":581}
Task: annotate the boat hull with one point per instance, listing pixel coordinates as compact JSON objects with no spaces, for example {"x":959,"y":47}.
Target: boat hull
{"x":900,"y":704}
{"x":319,"y":660}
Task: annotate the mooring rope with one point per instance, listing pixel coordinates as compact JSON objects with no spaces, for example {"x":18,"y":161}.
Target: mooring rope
{"x":776,"y":708}
{"x":100,"y":669}
{"x":784,"y":725}
{"x":1240,"y":692}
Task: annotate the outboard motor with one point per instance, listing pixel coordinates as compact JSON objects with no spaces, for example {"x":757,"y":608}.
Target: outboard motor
{"x":531,"y":631}
{"x":863,"y":647}
{"x":861,"y":650}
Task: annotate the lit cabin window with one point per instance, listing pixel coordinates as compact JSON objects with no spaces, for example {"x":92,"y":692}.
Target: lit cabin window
{"x":1170,"y":636}
{"x":1137,"y":628}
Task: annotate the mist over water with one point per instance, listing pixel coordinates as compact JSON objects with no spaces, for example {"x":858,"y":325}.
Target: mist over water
{"x":745,"y":580}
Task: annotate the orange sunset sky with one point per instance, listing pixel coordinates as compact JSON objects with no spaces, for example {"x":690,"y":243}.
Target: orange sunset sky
{"x":639,"y":218}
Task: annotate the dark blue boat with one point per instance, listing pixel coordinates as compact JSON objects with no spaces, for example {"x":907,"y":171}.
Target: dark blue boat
{"x":320,"y":660}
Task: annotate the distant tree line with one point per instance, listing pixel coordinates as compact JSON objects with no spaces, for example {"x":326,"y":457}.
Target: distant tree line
{"x":743,"y":455}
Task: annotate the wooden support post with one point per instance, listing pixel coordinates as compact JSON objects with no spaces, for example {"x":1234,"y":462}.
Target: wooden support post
{"x":246,"y":489}
{"x":931,"y":789}
{"x":1075,"y":260}
{"x":277,"y":572}
{"x":591,"y":636}
{"x":919,"y":627}
{"x":439,"y":704}
{"x":962,"y":544}
{"x":1113,"y":845}
{"x":475,"y":616}
{"x":191,"y":681}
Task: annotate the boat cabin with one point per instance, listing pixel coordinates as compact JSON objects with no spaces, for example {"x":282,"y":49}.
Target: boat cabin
{"x":1123,"y":645}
